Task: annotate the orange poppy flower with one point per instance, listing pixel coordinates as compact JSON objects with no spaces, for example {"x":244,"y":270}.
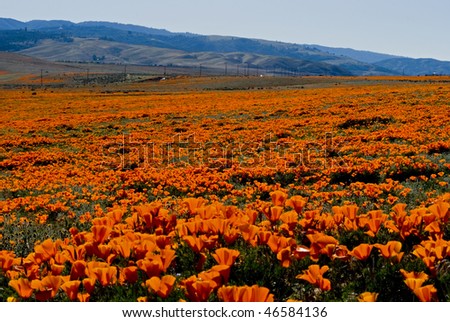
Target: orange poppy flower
{"x":193,"y":204}
{"x":43,"y":295}
{"x":73,"y":253}
{"x":349,"y":211}
{"x":83,"y":297}
{"x":71,"y":289}
{"x":277,"y":243}
{"x":249,"y":233}
{"x":150,"y":267}
{"x":91,"y":266}
{"x":290,"y":218}
{"x":350,"y":224}
{"x":164,"y":242}
{"x":362,"y":251}
{"x":228,"y":293}
{"x":414,"y":283}
{"x":47,"y":287}
{"x":200,"y":262}
{"x":216,"y":226}
{"x":257,"y":294}
{"x":264,"y":236}
{"x":57,"y":269}
{"x":285,"y":256}
{"x":89,"y":284}
{"x":278,"y":197}
{"x":128,"y":274}
{"x":198,"y":290}
{"x":147,"y":212}
{"x":391,"y":250}
{"x":420,"y":275}
{"x":209,"y":241}
{"x":441,"y":248}
{"x":195,"y":243}
{"x":22,"y":286}
{"x":90,"y":247}
{"x":399,"y":213}
{"x":144,"y":247}
{"x":230,"y":235}
{"x":426,"y":293}
{"x":211,"y":275}
{"x":296,"y":202}
{"x":225,"y":256}
{"x":273,"y":214}
{"x":78,"y":270}
{"x":45,"y":251}
{"x":435,"y":230}
{"x":53,"y":283}
{"x":341,"y":252}
{"x":115,"y":215}
{"x":106,"y":275}
{"x":329,"y":250}
{"x":6,"y":260}
{"x":191,"y":227}
{"x":319,"y":243}
{"x":314,"y":275}
{"x":207,"y":212}
{"x":428,"y":218}
{"x":368,"y":297}
{"x":441,"y":209}
{"x":100,"y":233}
{"x":161,"y":286}
{"x":253,"y":293}
{"x":301,"y":252}
{"x":338,"y":216}
{"x":167,"y":256}
{"x":251,"y":215}
{"x":103,"y":251}
{"x":423,"y":250}
{"x":13,"y":275}
{"x":122,"y":246}
{"x":223,"y":270}
{"x":105,"y":221}
{"x":373,"y":221}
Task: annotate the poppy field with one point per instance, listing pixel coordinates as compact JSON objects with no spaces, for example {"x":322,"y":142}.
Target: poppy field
{"x":321,"y":193}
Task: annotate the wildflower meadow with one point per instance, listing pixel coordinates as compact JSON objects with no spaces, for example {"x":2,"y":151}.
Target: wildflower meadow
{"x":311,"y":193}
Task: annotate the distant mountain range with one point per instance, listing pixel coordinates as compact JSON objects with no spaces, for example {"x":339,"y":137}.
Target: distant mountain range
{"x":108,"y":42}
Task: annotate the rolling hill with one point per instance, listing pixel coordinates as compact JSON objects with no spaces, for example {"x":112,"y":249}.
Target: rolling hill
{"x":361,"y":55}
{"x":108,"y":42}
{"x":18,"y":63}
{"x":421,"y":66}
{"x":82,"y":49}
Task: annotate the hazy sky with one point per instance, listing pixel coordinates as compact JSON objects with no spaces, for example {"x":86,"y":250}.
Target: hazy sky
{"x":413,"y":28}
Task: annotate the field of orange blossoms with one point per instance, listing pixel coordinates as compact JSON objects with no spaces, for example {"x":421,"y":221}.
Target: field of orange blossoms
{"x":333,"y":193}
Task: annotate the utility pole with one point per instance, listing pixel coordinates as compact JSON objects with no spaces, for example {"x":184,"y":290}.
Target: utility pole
{"x":87,"y":76}
{"x":42,"y":83}
{"x":226,"y":69}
